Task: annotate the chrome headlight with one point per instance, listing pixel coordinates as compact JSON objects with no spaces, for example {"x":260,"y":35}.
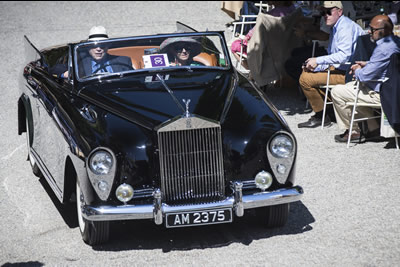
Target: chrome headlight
{"x":281,"y":150}
{"x":101,"y":162}
{"x":101,"y":171}
{"x":281,"y":146}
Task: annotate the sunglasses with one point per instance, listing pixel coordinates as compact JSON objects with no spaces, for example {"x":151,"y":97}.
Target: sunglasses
{"x":179,"y":48}
{"x":101,"y":46}
{"x":327,"y":11}
{"x":372,"y":29}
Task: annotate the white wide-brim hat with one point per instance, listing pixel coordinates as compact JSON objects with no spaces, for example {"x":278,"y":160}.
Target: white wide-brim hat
{"x":97,"y":33}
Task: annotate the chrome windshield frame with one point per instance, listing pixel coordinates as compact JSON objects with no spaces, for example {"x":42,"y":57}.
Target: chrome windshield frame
{"x":220,"y":35}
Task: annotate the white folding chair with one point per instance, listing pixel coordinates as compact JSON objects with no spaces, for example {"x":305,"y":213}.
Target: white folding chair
{"x":327,"y":88}
{"x":242,"y":23}
{"x":355,"y":104}
{"x":264,"y":7}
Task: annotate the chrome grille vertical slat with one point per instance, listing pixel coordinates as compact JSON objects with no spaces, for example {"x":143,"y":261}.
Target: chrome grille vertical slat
{"x":191,"y":164}
{"x":212,"y":155}
{"x":178,"y":166}
{"x":198,"y":167}
{"x":208,"y":155}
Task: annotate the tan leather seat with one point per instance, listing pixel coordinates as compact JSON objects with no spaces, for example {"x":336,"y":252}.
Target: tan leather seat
{"x":206,"y":59}
{"x":134,"y":52}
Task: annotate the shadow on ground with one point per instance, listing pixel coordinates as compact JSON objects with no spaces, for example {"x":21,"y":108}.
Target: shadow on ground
{"x":145,"y":235}
{"x":287,"y":99}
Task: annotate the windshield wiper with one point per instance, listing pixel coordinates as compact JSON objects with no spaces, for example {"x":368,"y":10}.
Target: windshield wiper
{"x":174,"y":68}
{"x":170,"y":92}
{"x":104,"y":74}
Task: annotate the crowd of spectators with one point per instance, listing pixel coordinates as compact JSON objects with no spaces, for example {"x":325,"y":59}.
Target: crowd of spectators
{"x":341,"y":35}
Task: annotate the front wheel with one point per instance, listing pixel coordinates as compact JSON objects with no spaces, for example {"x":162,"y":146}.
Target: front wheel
{"x":274,"y":216}
{"x":93,"y":233}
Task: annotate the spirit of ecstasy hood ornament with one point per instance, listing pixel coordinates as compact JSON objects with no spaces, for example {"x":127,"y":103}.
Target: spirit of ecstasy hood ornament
{"x":187,"y":114}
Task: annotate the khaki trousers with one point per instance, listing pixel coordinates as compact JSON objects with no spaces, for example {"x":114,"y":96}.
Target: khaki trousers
{"x":343,"y":93}
{"x":311,"y":81}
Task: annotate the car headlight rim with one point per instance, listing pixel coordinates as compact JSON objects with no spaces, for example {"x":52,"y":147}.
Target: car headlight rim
{"x":102,"y":179}
{"x":281,"y":152}
{"x":281,"y":146}
{"x":101,"y":162}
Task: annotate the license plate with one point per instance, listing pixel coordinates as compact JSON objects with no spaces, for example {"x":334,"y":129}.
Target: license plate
{"x":194,"y":218}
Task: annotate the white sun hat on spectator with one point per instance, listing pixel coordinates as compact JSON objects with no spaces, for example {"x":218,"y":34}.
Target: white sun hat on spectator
{"x":97,"y":33}
{"x":331,"y":4}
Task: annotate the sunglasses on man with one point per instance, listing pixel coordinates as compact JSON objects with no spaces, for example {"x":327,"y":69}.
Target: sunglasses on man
{"x":179,"y":48}
{"x":372,"y":29}
{"x":327,"y":11}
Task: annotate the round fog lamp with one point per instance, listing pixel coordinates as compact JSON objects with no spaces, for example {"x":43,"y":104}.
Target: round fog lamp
{"x":124,"y":192}
{"x":263,"y":180}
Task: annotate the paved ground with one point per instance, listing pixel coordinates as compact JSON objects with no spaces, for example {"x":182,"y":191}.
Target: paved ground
{"x":349,"y":215}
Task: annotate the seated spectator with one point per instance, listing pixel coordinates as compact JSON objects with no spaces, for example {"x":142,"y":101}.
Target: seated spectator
{"x":309,"y":29}
{"x":282,"y":8}
{"x":381,"y":31}
{"x":181,"y":50}
{"x":342,"y":41}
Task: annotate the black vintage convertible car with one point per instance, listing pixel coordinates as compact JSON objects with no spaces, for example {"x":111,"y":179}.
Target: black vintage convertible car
{"x":181,"y":143}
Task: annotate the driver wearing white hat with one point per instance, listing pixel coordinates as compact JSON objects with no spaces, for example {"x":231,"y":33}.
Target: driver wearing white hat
{"x":99,"y":60}
{"x":97,"y":33}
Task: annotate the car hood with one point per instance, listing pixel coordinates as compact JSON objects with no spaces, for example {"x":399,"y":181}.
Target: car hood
{"x":144,"y":100}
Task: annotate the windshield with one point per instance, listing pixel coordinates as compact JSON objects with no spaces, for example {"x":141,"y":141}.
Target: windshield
{"x":118,"y":56}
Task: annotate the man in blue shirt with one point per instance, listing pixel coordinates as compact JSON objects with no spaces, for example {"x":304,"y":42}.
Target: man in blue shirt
{"x":342,"y":41}
{"x":381,"y":32}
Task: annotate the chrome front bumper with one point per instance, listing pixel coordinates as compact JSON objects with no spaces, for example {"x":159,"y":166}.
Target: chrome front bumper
{"x":238,"y":202}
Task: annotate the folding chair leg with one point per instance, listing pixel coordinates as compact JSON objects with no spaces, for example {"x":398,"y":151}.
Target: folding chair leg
{"x":396,"y":137}
{"x":352,"y":116}
{"x":326,"y":98}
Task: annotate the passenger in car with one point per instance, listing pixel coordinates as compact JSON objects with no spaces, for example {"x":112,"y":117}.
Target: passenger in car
{"x":181,"y":50}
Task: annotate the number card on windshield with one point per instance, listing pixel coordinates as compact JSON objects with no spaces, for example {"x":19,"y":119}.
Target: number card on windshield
{"x":155,"y":61}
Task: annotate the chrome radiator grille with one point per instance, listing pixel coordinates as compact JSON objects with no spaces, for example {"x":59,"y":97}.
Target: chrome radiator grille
{"x":191,"y":162}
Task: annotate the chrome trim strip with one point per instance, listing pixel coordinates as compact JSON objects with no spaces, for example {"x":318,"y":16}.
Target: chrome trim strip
{"x":47,"y":175}
{"x":149,"y":211}
{"x":143,"y":193}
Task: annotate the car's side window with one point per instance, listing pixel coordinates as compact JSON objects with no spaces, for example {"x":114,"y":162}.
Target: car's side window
{"x":57,"y":60}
